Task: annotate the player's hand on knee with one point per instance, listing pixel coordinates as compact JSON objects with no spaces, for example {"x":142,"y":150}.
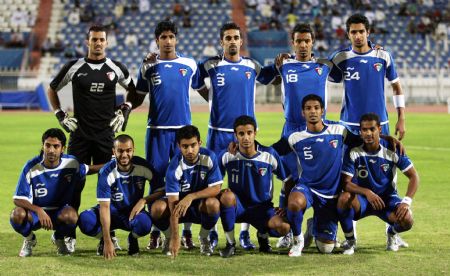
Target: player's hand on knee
{"x":401,"y":211}
{"x":70,"y":124}
{"x":376,"y":201}
{"x":137,"y":208}
{"x":45,"y":220}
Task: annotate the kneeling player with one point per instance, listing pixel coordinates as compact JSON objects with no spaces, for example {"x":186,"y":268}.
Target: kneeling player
{"x":249,"y":196}
{"x":193,"y":181}
{"x":45,"y":188}
{"x":120,"y":189}
{"x":369,"y":179}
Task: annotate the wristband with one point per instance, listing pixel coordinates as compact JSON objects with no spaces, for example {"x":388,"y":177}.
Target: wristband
{"x":407,"y":200}
{"x":398,"y":100}
{"x":58,"y":110}
{"x":129,"y":104}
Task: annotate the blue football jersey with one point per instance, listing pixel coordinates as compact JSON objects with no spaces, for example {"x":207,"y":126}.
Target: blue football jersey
{"x":232,"y":90}
{"x":183,"y":178}
{"x":123,"y":190}
{"x":319,"y":158}
{"x":251,"y":177}
{"x":50,"y":188}
{"x":363,"y":76}
{"x":376,"y":171}
{"x":300,"y":79}
{"x":168,"y":82}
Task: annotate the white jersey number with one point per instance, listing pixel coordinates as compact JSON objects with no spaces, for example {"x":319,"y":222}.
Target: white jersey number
{"x":185,"y":187}
{"x":291,"y":78}
{"x":40,"y":190}
{"x":220,"y":81}
{"x":97,"y":87}
{"x":307,"y":152}
{"x":156,"y":79}
{"x":349,"y":76}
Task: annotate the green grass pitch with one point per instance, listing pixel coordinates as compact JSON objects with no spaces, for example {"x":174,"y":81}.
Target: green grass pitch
{"x":427,"y":143}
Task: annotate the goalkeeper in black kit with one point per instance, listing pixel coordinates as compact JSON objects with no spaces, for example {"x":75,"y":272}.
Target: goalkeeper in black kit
{"x":96,"y":115}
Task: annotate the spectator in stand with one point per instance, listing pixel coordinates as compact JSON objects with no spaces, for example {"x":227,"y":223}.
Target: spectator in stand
{"x":291,"y":19}
{"x":131,"y":40}
{"x":209,"y":51}
{"x":187,"y":21}
{"x":144,"y":6}
{"x":112,"y":39}
{"x":74,"y":16}
{"x":119,"y":8}
{"x":340,"y":36}
{"x":177,"y":8}
{"x":16,"y":39}
{"x":87,"y":13}
{"x":412,"y":29}
{"x":18,"y":18}
{"x":46,"y":46}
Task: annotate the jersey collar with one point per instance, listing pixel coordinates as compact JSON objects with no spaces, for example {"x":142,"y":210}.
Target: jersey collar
{"x":103,"y":60}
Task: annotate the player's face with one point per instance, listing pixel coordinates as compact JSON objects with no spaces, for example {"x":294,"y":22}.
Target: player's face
{"x":96,"y":44}
{"x":167,"y":42}
{"x":358,"y":35}
{"x":312,"y":112}
{"x":123,"y":153}
{"x":231,"y":42}
{"x":246,"y":135}
{"x":370,"y":132}
{"x":190,"y":148}
{"x":303,"y":45}
{"x":52,"y":149}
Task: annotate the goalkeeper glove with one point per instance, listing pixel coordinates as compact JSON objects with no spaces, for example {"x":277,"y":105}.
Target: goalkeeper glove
{"x":70,"y":124}
{"x":121,"y":117}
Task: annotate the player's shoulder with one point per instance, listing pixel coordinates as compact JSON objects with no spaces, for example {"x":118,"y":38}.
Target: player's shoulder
{"x":324,"y":61}
{"x":249,"y":60}
{"x":267,"y":149}
{"x":108,"y":167}
{"x":116,"y":62}
{"x":137,"y":160}
{"x":339,"y":53}
{"x":31,"y":163}
{"x":207,"y":157}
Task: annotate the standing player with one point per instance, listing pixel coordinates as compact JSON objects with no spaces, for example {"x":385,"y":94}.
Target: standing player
{"x":249,"y":196}
{"x":167,"y":81}
{"x":44,"y":193}
{"x":369,"y":175}
{"x":120,"y":191}
{"x":193,"y":181}
{"x":96,"y":117}
{"x":363,"y":71}
{"x":231,"y":94}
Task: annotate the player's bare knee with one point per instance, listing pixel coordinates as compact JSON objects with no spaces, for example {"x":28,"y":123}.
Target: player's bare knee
{"x":68,"y":216}
{"x":296,"y":202}
{"x":344,"y":201}
{"x":407,"y":222}
{"x":158,"y":209}
{"x":228,"y":199}
{"x":212,"y":205}
{"x":283,"y":228}
{"x":18,"y":215}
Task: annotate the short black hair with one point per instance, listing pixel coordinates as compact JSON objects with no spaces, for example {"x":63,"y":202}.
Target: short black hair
{"x":312,"y":97}
{"x":123,"y":138}
{"x":303,"y":28}
{"x":187,"y":132}
{"x":96,"y":28}
{"x":356,"y":19}
{"x":55,"y":133}
{"x":244,"y":120}
{"x":165,"y":26}
{"x":370,"y":117}
{"x":229,"y":26}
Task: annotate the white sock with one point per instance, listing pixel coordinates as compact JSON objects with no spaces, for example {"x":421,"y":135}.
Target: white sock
{"x":203,"y":233}
{"x":298,"y":238}
{"x":187,"y":226}
{"x":354,"y":228}
{"x":245,"y":226}
{"x":230,"y":237}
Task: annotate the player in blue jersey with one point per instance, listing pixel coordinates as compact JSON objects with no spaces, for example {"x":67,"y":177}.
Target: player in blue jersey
{"x":193,"y":181}
{"x":363,"y":71}
{"x":230,"y":95}
{"x":120,"y":191}
{"x":318,"y":149}
{"x":167,"y":81}
{"x":44,"y":192}
{"x":369,"y":176}
{"x":250,"y":187}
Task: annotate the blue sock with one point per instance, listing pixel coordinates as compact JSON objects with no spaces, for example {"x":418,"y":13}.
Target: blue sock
{"x":296,"y":220}
{"x":346,"y":217}
{"x":209,"y":220}
{"x":24,"y":229}
{"x":62,"y":230}
{"x":228,"y":217}
{"x":141,"y":224}
{"x":162,"y":224}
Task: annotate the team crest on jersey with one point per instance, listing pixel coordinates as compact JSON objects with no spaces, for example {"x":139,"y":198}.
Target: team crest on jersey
{"x":140,"y":184}
{"x":378,"y":66}
{"x":385,"y":167}
{"x":183,"y":72}
{"x":248,"y":74}
{"x":262,"y":171}
{"x":319,"y":71}
{"x":111,"y":75}
{"x":202,"y":175}
{"x":334,"y":143}
{"x":68,"y":178}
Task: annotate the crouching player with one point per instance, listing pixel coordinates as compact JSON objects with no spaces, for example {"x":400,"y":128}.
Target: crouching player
{"x":193,"y":181}
{"x":44,"y":191}
{"x":369,"y":177}
{"x":250,"y":188}
{"x":120,"y":189}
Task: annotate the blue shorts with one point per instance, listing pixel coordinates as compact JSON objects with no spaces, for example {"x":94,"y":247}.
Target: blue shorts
{"x":193,"y":213}
{"x":119,"y":219}
{"x":257,"y":215}
{"x":390,"y":202}
{"x":355,"y":129}
{"x":160,"y":147}
{"x":325,"y":213}
{"x":219,"y":140}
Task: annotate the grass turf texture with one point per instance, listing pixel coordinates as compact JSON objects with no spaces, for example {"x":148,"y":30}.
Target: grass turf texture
{"x":426,"y":142}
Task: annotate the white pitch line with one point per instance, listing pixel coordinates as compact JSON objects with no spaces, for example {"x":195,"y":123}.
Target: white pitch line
{"x":427,"y":148}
